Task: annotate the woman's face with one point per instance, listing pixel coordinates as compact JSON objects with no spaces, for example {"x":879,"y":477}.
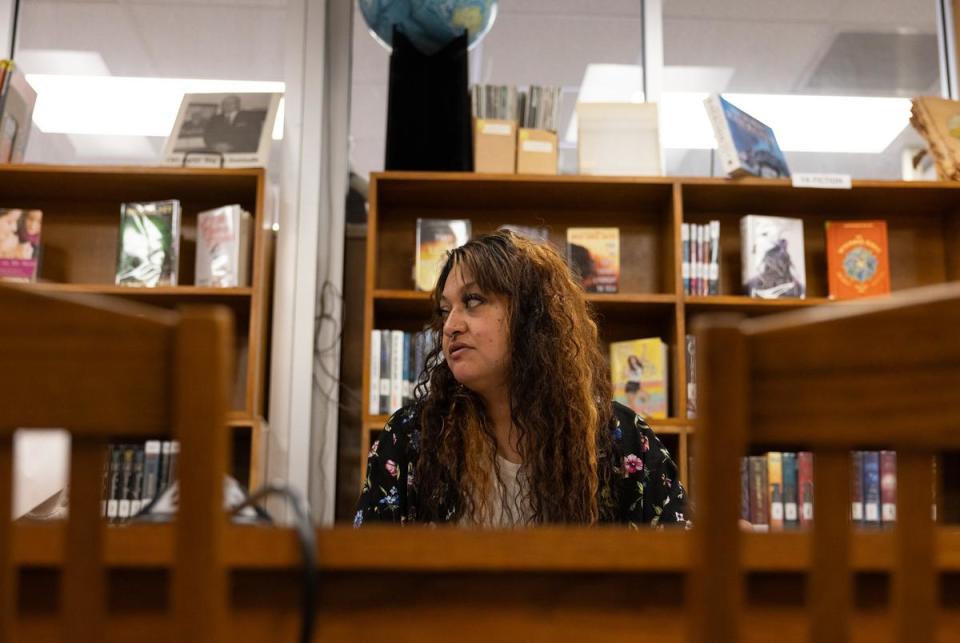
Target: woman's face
{"x":476,"y":343}
{"x":34,"y":217}
{"x":8,"y":223}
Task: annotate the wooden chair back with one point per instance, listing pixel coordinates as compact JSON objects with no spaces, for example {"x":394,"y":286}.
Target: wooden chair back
{"x":879,"y":374}
{"x":105,"y":369}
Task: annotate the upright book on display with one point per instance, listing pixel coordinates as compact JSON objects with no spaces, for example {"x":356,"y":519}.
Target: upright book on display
{"x":594,"y":255}
{"x":20,"y":244}
{"x":223,"y":247}
{"x":639,"y":373}
{"x":772,"y":257}
{"x":858,"y":262}
{"x":149,"y":245}
{"x":436,"y":238}
{"x":745,"y":145}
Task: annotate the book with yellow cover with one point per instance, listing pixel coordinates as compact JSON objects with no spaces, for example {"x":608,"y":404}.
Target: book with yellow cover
{"x":639,"y":374}
{"x":857,"y":259}
{"x":435,"y":238}
{"x":594,"y":255}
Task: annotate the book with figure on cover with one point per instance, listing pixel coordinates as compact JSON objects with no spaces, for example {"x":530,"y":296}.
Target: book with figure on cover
{"x":639,"y":372}
{"x":17,"y":100}
{"x":149,"y":245}
{"x":745,"y":145}
{"x":223,"y":247}
{"x":772,"y":257}
{"x":594,"y":255}
{"x":20,"y":244}
{"x":435,"y":238}
{"x":858,"y":262}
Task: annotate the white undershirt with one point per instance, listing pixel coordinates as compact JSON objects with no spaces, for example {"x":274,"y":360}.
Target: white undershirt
{"x":517,"y":513}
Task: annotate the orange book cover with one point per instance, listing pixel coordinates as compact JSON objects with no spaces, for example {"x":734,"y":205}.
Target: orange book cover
{"x":858,"y":262}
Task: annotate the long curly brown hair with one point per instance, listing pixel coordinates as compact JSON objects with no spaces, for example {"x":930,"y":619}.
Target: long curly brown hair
{"x":560,"y":394}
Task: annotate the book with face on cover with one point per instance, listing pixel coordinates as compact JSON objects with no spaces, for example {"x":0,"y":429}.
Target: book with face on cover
{"x":149,"y":244}
{"x":20,"y":244}
{"x":858,"y":263}
{"x":772,"y":257}
{"x":594,"y":255}
{"x":223,"y":247}
{"x":639,"y":374}
{"x":436,"y":238}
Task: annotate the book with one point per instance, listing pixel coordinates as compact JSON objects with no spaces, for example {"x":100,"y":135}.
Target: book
{"x":149,"y":244}
{"x":745,"y":489}
{"x":223,"y":247}
{"x":436,"y":238}
{"x":223,"y":130}
{"x":805,"y":487}
{"x":594,"y":256}
{"x":745,"y":145}
{"x":858,"y":262}
{"x":685,"y":254}
{"x":639,"y":373}
{"x":856,"y":493}
{"x":791,"y":517}
{"x":871,"y":488}
{"x":775,"y":484}
{"x":714,"y":264}
{"x":690,"y":353}
{"x":17,"y":100}
{"x":374,"y":401}
{"x":151,"y":471}
{"x":20,"y":244}
{"x":773,"y":264}
{"x":759,"y":493}
{"x":888,"y":487}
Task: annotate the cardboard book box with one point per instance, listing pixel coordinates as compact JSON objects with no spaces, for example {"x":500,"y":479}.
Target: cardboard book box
{"x":536,"y":151}
{"x":494,"y":146}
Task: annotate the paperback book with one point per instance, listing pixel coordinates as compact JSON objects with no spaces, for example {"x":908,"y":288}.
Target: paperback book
{"x":223,"y":247}
{"x":857,"y":259}
{"x":594,"y":255}
{"x":149,"y":244}
{"x":20,"y":244}
{"x":639,"y":372}
{"x":772,"y":257}
{"x":745,"y":145}
{"x":436,"y":238}
{"x":17,"y":99}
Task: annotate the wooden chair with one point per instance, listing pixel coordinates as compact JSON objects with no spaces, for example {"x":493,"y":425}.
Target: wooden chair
{"x":879,"y":374}
{"x":106,"y":369}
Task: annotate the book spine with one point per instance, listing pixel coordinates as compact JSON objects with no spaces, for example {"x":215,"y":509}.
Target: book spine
{"x":726,"y":150}
{"x":174,"y":461}
{"x":136,"y":484}
{"x":888,"y":487}
{"x":116,"y":465}
{"x":385,"y":361}
{"x":791,"y":518}
{"x":164,"y":477}
{"x":696,"y":243}
{"x":407,"y":367}
{"x":714,"y":258}
{"x":419,"y":352}
{"x":126,"y":483}
{"x":856,"y":494}
{"x":396,"y":370}
{"x":705,"y":260}
{"x":805,"y":487}
{"x":685,"y":252}
{"x":746,"y":254}
{"x":775,"y":482}
{"x":691,"y":361}
{"x":151,"y":470}
{"x":745,"y":489}
{"x":374,"y":372}
{"x":871,"y":488}
{"x":759,"y":494}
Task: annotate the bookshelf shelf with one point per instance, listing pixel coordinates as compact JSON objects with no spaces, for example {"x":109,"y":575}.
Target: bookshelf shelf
{"x":923,"y":221}
{"x":81,"y":215}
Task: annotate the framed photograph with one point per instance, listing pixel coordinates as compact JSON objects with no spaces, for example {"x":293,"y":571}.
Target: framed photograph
{"x":232,"y":130}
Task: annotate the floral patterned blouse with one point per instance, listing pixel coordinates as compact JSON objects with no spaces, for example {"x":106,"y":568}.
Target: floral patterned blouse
{"x":648,"y":492}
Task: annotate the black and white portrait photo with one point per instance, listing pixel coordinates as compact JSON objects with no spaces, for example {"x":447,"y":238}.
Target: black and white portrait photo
{"x":229,"y":129}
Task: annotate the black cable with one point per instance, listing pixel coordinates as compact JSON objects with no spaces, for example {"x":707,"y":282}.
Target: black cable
{"x":308,"y":549}
{"x":14,"y":28}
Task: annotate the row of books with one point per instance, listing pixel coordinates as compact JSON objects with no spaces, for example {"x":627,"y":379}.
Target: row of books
{"x":135,"y":474}
{"x":934,"y":119}
{"x":700,"y":247}
{"x":148,"y":246}
{"x":537,"y":108}
{"x":773,"y":265}
{"x":17,"y":100}
{"x":777,"y":491}
{"x":396,"y":360}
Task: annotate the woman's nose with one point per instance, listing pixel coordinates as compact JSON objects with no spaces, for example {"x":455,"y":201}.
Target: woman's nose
{"x":454,"y":323}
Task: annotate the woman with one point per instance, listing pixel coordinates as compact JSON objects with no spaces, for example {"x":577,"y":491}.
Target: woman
{"x":513,"y":422}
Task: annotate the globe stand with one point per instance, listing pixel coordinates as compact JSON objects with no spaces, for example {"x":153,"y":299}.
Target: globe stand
{"x":428,"y":108}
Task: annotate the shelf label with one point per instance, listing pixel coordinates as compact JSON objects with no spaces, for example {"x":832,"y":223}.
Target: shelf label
{"x":823,"y":181}
{"x":497,"y":129}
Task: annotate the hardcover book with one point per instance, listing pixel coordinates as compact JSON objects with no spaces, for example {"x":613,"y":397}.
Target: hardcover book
{"x":594,"y":255}
{"x":791,"y":517}
{"x":772,"y":257}
{"x":639,"y":372}
{"x":20,"y":244}
{"x":223,"y":247}
{"x":805,"y":487}
{"x":759,"y":494}
{"x":775,"y":483}
{"x":435,"y":238}
{"x":857,"y":259}
{"x":745,"y":145}
{"x":871,"y":488}
{"x":149,"y":244}
{"x":17,"y":99}
{"x":888,"y":486}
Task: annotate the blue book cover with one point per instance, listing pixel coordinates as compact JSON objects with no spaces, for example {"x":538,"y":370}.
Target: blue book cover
{"x":745,"y":144}
{"x":871,"y":488}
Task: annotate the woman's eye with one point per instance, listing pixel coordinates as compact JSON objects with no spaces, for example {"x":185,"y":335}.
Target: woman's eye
{"x":472,"y":301}
{"x":443,"y":312}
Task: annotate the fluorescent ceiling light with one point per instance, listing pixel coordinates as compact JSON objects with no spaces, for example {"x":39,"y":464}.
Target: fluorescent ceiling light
{"x":831,"y":124}
{"x":125,"y":106}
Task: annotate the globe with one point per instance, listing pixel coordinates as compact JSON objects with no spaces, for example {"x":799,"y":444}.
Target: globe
{"x":429,"y":24}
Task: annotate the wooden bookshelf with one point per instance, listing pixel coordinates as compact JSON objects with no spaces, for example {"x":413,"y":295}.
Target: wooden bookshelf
{"x":81,"y":213}
{"x":923,"y":220}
